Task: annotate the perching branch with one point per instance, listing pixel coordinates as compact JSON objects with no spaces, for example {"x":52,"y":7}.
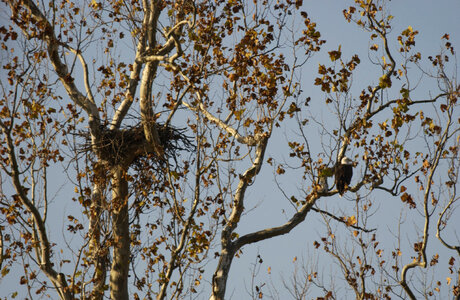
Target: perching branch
{"x":295,"y":220}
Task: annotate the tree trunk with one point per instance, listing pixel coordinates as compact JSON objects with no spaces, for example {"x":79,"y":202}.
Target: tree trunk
{"x":229,"y":248}
{"x":120,"y":226}
{"x":219,"y":279}
{"x":98,"y":251}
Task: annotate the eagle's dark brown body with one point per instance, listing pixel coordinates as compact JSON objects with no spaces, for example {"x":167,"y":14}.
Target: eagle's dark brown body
{"x":343,"y":174}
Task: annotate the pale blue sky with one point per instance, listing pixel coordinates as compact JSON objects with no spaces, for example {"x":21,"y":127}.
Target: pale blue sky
{"x":432,"y":19}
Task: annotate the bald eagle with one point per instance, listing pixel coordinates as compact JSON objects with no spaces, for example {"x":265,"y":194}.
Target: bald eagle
{"x":343,"y":174}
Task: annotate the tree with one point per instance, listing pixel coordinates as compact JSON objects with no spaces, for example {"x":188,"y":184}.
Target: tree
{"x":162,"y":115}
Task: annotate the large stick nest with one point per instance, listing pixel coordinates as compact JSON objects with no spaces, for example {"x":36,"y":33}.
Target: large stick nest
{"x":124,"y":146}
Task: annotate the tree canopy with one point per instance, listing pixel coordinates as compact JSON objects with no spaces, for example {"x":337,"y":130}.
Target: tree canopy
{"x":146,"y":144}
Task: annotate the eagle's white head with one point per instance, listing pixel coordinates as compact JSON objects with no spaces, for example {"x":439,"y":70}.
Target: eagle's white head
{"x":346,"y":161}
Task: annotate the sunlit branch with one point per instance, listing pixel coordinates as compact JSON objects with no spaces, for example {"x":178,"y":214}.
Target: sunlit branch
{"x":229,"y":248}
{"x":370,"y":115}
{"x":133,"y":78}
{"x":58,"y":279}
{"x":172,"y":42}
{"x":248,"y":140}
{"x":89,"y":93}
{"x":341,"y":220}
{"x":295,"y":220}
{"x":172,"y":37}
{"x":94,"y":232}
{"x":422,"y":262}
{"x":381,"y":30}
{"x":453,"y":198}
{"x":47,"y":34}
{"x":247,"y":177}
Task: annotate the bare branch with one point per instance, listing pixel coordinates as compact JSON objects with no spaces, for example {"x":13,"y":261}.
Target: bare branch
{"x":61,"y":69}
{"x":44,"y":252}
{"x":295,"y":220}
{"x":133,"y":78}
{"x":247,"y":140}
{"x":422,"y":261}
{"x":341,"y":220}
